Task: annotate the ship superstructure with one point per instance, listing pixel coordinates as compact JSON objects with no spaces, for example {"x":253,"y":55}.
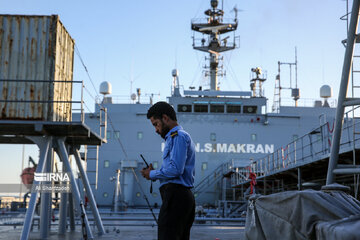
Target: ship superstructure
{"x":227,"y":127}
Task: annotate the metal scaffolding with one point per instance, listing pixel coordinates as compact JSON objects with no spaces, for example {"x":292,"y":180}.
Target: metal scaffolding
{"x":63,"y":138}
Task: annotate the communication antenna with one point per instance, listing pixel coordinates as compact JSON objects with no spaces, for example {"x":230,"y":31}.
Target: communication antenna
{"x":236,"y":10}
{"x":295,"y":91}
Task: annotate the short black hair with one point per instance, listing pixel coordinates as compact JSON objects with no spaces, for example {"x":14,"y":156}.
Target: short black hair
{"x":158,"y":109}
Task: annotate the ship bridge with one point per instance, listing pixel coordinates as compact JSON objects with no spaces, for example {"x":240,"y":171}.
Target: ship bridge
{"x":217,"y":102}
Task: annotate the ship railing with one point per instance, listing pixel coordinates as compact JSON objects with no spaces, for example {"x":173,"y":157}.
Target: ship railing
{"x":311,"y":147}
{"x":123,"y":99}
{"x":224,"y":45}
{"x":42,"y":100}
{"x":307,"y":102}
{"x":206,"y":20}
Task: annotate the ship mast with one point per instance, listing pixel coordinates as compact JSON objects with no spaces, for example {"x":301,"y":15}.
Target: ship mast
{"x":214,"y":27}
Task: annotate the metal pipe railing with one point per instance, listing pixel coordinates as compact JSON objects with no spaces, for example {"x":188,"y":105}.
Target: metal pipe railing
{"x":308,"y":148}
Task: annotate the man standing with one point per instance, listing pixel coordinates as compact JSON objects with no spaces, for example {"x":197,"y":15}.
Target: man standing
{"x":176,"y":174}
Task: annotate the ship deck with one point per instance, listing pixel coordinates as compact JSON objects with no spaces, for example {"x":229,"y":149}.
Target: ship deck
{"x":135,"y":233}
{"x":131,"y":225}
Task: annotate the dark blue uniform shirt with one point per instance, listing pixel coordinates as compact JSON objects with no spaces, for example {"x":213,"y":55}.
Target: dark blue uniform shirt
{"x":178,"y":164}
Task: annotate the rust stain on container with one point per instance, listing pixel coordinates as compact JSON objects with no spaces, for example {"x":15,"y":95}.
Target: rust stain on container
{"x":35,"y":48}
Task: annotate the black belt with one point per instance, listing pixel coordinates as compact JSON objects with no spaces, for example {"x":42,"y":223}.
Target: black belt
{"x":173,"y":185}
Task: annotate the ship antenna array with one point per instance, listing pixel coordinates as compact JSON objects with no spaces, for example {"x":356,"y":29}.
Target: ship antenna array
{"x":213,"y":27}
{"x":295,"y":91}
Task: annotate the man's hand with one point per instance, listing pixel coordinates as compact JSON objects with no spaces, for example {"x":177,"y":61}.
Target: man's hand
{"x":145,"y":172}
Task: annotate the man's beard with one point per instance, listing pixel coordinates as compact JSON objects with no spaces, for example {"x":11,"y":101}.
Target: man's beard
{"x":164,"y":129}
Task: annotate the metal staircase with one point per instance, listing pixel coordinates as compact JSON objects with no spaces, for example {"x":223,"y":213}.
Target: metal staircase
{"x":226,"y":207}
{"x":214,"y":177}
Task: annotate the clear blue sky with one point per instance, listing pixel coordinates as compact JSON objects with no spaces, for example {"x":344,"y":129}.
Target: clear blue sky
{"x":144,"y":40}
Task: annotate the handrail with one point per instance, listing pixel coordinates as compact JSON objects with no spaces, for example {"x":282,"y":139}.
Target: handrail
{"x":23,"y":99}
{"x":310,"y":147}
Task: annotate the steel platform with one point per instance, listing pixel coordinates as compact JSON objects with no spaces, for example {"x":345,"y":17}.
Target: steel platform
{"x":76,"y":133}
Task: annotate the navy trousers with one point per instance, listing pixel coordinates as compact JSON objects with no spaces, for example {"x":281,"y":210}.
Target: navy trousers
{"x":177,"y":212}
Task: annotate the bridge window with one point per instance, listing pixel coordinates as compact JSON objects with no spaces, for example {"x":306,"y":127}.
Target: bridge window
{"x":233,"y":108}
{"x":184,"y":108}
{"x":250,"y":109}
{"x":200,"y":108}
{"x":215,"y":108}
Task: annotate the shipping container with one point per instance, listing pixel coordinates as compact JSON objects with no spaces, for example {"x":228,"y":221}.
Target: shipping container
{"x":36,"y":68}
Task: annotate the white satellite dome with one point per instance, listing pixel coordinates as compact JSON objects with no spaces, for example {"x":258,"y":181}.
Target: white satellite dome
{"x":133,"y":96}
{"x":325,"y":91}
{"x":105,"y":88}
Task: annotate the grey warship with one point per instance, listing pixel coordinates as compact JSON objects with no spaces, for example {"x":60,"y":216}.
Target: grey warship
{"x":231,"y":129}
